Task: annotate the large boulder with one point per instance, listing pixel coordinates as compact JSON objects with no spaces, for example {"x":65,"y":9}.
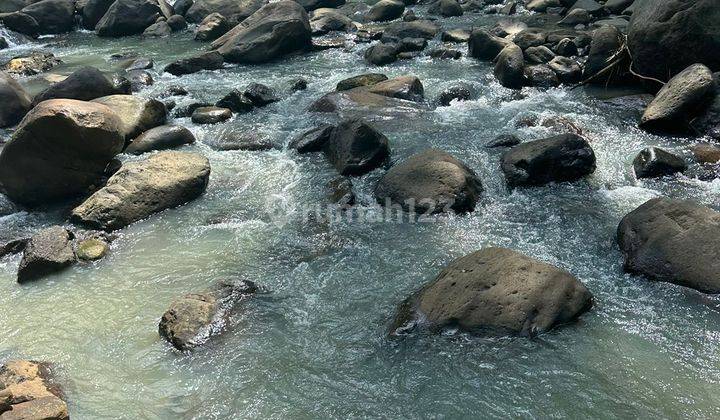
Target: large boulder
{"x":484,"y":45}
{"x":128,"y":17}
{"x":566,"y":157}
{"x":189,"y":320}
{"x":665,"y":37}
{"x":680,"y":99}
{"x":137,"y":114}
{"x":310,"y":5}
{"x":47,"y":252}
{"x":52,"y":16}
{"x":211,"y":60}
{"x":28,"y":392}
{"x":673,"y":241}
{"x":366,"y":79}
{"x":16,"y":102}
{"x":496,"y":290}
{"x":235,"y":11}
{"x":93,"y":11}
{"x":84,"y":84}
{"x":275,"y":30}
{"x":356,"y":147}
{"x":509,"y":67}
{"x":212,"y":27}
{"x":382,"y":53}
{"x":429,"y":182}
{"x":385,"y":10}
{"x":139,"y":189}
{"x":312,"y":140}
{"x":161,"y":138}
{"x":59,"y":150}
{"x":446,"y":8}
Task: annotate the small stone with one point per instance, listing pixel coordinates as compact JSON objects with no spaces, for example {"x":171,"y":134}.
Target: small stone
{"x":211,"y":115}
{"x":707,"y":153}
{"x":654,"y":162}
{"x":504,"y":140}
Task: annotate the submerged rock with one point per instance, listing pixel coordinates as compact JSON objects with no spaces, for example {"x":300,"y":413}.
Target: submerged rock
{"x":59,"y":150}
{"x":161,"y":138}
{"x":566,"y":157}
{"x":430,"y":182}
{"x":458,"y":92}
{"x":136,"y":113}
{"x":139,"y":189}
{"x":84,"y":84}
{"x":341,"y":191}
{"x":91,"y":249}
{"x":672,"y":241}
{"x":275,"y":30}
{"x":680,"y":99}
{"x":35,"y":63}
{"x":496,"y":290}
{"x":192,"y":319}
{"x":654,"y":162}
{"x":16,"y":102}
{"x":665,"y":37}
{"x":47,"y":252}
{"x":504,"y":140}
{"x":27,"y":392}
{"x":212,"y":60}
{"x":356,"y":147}
{"x":128,"y":17}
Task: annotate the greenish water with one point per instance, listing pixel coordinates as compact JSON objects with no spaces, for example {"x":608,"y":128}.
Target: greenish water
{"x":314,"y":346}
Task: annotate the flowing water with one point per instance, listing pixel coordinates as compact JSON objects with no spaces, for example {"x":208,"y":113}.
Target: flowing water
{"x":314,"y":344}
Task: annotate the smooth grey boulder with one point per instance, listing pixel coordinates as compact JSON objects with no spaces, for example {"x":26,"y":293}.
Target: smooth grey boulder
{"x":260,"y":95}
{"x":665,"y":37}
{"x":191,"y":320}
{"x":52,"y":16}
{"x":446,"y":8}
{"x":540,"y":75}
{"x":542,"y":5}
{"x":128,"y":17}
{"x":539,"y":55}
{"x":576,"y":17}
{"x":312,"y":140}
{"x":566,"y":157}
{"x":158,"y":29}
{"x":85,"y":84}
{"x":356,"y":147}
{"x":21,"y":23}
{"x":325,"y":20}
{"x":653,"y":162}
{"x":606,"y":44}
{"x":235,"y":11}
{"x":529,"y":37}
{"x":566,"y":69}
{"x":385,"y":10}
{"x":161,"y":138}
{"x":47,"y":252}
{"x":673,"y":241}
{"x":310,"y":5}
{"x":210,"y":115}
{"x":93,"y":11}
{"x":460,"y":91}
{"x":430,"y":182}
{"x":680,"y":99}
{"x":382,"y":54}
{"x":140,"y":189}
{"x":211,"y":60}
{"x":177,"y":23}
{"x":618,"y":6}
{"x":495,"y":291}
{"x":509,"y":67}
{"x":484,"y":45}
{"x":212,"y":27}
{"x":275,"y":30}
{"x":137,"y":114}
{"x":16,"y":101}
{"x":59,"y":150}
{"x":414,"y":29}
{"x":591,"y":6}
{"x":366,"y":79}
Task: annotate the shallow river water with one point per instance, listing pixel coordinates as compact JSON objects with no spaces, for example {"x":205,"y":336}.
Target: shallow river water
{"x":314,"y":344}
